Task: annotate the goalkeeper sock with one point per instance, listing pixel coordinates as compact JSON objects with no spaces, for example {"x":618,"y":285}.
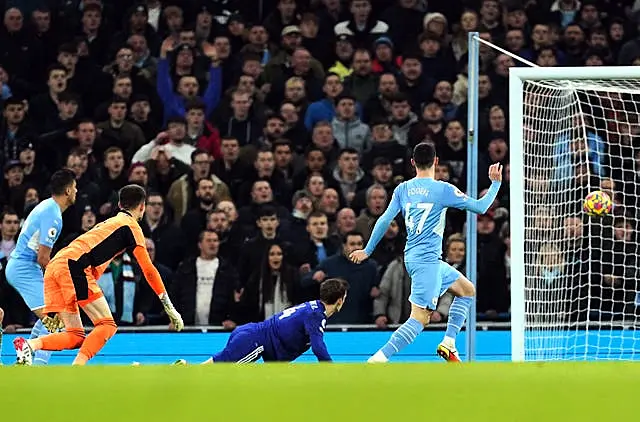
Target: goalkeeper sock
{"x":457,"y":314}
{"x":104,"y":329}
{"x":41,"y":357}
{"x":401,"y":338}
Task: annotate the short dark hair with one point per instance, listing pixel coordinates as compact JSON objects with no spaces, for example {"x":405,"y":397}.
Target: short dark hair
{"x":332,"y":290}
{"x":131,"y":196}
{"x":117,"y":100}
{"x":195,"y":104}
{"x":282,"y":142}
{"x":205,"y":179}
{"x":13,"y":100}
{"x":347,"y":150}
{"x":316,"y":214}
{"x":7,"y":211}
{"x":267,"y":211}
{"x":197,"y":152}
{"x":56,"y":66}
{"x":398,"y":97}
{"x":424,"y":154}
{"x":351,"y":233}
{"x":205,"y":231}
{"x":61,"y":180}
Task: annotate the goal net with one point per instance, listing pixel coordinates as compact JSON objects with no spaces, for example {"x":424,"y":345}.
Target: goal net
{"x":577,"y":277}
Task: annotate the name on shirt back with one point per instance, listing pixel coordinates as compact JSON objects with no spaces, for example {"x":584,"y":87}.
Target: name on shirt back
{"x":418,"y":191}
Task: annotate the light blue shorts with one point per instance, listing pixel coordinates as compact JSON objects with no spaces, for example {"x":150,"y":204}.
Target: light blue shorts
{"x":27,"y":278}
{"x":429,"y":281}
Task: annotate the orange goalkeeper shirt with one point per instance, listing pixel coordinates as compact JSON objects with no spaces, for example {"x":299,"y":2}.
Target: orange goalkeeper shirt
{"x":97,"y":248}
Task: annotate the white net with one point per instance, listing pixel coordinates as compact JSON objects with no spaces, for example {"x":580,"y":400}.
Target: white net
{"x":581,"y":273}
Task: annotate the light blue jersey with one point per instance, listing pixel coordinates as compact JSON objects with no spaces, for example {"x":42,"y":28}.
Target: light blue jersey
{"x":423,"y":203}
{"x":42,"y":227}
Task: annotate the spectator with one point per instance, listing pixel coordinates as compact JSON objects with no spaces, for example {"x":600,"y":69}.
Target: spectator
{"x":324,"y":110}
{"x":15,"y":129}
{"x":204,"y":287}
{"x":272,"y":287}
{"x":200,"y":132}
{"x":188,"y":86}
{"x":253,"y":250}
{"x":317,"y":246}
{"x":9,"y":228}
{"x":349,"y":174}
{"x":392,"y":306}
{"x":151,"y":311}
{"x":362,"y":26}
{"x":182,"y":192}
{"x":194,"y":221}
{"x":493,"y":296}
{"x":168,"y":239}
{"x":364,"y":278}
{"x":172,"y":140}
{"x":376,"y":203}
{"x":117,"y":132}
{"x":348,"y":130}
{"x":362,"y":83}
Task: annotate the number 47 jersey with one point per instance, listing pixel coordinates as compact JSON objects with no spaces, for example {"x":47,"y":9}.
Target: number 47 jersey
{"x":424,"y":203}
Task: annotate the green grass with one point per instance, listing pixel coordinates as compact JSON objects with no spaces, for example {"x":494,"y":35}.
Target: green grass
{"x":328,"y":393}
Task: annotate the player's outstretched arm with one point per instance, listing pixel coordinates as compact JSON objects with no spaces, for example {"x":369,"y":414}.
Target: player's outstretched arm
{"x":455,"y":198}
{"x":379,"y":229}
{"x":315,"y":330}
{"x":155,"y":281}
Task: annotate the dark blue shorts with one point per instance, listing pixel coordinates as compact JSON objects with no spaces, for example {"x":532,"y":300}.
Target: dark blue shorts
{"x":245,"y":345}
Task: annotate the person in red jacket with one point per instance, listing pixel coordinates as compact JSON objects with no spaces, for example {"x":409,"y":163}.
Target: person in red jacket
{"x":203,"y":135}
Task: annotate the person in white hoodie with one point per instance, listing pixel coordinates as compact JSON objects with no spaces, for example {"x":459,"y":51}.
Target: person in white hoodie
{"x":171,"y":140}
{"x":348,"y":129}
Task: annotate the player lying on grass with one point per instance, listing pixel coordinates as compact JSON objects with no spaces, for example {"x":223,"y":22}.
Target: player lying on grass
{"x":288,"y":334}
{"x":423,"y":202}
{"x":71,"y":281}
{"x":31,"y":256}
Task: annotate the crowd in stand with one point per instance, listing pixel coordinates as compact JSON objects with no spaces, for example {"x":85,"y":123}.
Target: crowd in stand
{"x":269,"y":135}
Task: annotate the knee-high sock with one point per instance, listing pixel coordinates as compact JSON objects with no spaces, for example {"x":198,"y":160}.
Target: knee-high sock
{"x":41,"y":357}
{"x":457,"y":314}
{"x":70,"y":339}
{"x":103,"y":331}
{"x":402,"y":337}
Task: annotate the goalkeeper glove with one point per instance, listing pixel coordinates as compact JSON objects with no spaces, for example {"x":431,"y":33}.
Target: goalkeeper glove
{"x":171,"y":311}
{"x":53,"y":324}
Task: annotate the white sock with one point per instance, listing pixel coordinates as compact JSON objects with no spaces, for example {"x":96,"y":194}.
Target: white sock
{"x":449,"y":342}
{"x":378,"y":357}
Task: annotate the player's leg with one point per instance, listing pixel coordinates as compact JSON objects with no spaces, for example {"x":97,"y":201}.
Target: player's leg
{"x":26,"y":278}
{"x":70,"y":339}
{"x":244,"y":346}
{"x":60,"y":299}
{"x":463,"y":291}
{"x":425,"y":288}
{"x":97,"y":309}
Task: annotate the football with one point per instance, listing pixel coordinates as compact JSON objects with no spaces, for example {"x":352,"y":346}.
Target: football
{"x":597,"y":204}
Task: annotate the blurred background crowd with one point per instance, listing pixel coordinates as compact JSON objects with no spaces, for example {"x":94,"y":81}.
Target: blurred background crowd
{"x":270,"y":135}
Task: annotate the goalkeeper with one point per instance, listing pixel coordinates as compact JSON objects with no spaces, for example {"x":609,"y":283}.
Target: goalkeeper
{"x":70,"y":281}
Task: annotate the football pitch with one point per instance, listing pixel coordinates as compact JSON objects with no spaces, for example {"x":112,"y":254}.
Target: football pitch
{"x":582,"y":391}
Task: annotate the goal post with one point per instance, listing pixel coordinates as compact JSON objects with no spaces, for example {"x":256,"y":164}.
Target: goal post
{"x":574,"y":293}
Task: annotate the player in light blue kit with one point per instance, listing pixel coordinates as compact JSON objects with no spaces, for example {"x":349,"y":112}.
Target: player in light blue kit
{"x":33,"y":250}
{"x":424,"y":202}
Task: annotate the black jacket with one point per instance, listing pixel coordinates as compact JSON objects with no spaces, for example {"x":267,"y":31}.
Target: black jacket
{"x":184,"y":287}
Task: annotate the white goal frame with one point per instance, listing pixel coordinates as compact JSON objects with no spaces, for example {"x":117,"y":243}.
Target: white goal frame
{"x":517,"y":77}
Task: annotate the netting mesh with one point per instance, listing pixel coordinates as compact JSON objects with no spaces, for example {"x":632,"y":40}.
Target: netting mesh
{"x":581,"y":273}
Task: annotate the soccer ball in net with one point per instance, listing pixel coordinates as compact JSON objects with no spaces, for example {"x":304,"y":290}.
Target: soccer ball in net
{"x":597,"y":204}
